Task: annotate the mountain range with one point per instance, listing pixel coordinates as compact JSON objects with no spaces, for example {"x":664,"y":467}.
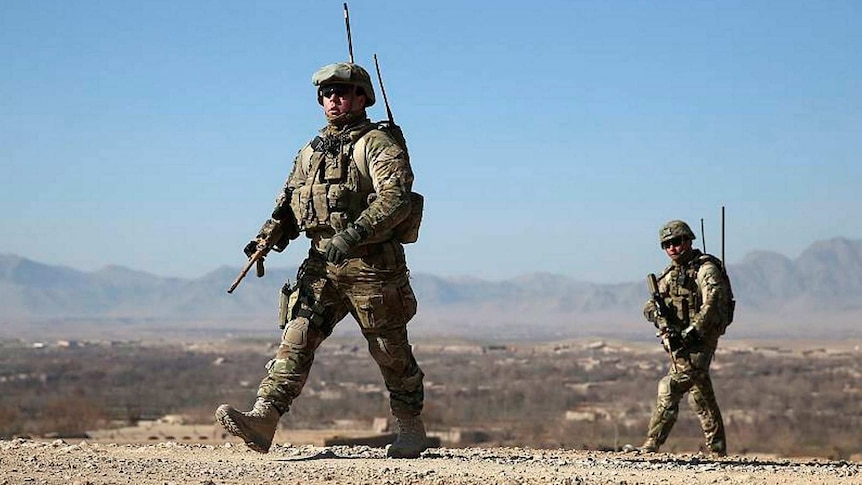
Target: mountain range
{"x":816,"y":296}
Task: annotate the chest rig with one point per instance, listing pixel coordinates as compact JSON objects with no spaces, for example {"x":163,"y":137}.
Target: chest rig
{"x":332,"y":195}
{"x":683,"y":297}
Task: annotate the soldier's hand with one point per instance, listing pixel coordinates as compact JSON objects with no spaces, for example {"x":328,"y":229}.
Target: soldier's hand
{"x":651,"y":312}
{"x":251,"y":247}
{"x":689,"y":334}
{"x":342,"y":243}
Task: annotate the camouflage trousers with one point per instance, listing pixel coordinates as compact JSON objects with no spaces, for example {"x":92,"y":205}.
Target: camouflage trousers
{"x":689,"y":372}
{"x":375,"y":289}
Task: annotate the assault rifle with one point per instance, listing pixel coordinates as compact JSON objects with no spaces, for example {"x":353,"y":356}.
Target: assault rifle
{"x":669,"y":336}
{"x":264,"y":246}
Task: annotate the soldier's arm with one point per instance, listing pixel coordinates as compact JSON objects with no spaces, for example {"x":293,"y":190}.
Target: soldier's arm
{"x":712,"y":287}
{"x":282,"y":214}
{"x":392,"y":179}
{"x":297,"y":177}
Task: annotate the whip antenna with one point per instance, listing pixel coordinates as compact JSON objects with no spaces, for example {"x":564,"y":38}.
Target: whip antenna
{"x":722,"y":236}
{"x":347,"y":26}
{"x":383,"y":91}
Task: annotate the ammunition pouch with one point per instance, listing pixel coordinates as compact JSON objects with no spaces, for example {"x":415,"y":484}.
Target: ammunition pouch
{"x":325,"y":206}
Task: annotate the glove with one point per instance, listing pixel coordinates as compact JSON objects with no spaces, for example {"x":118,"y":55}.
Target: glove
{"x":689,"y":334}
{"x":343,"y":242}
{"x":251,"y":247}
{"x":651,"y":312}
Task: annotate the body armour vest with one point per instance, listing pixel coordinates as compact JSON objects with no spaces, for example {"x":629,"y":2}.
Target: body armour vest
{"x":684,"y":299}
{"x":331,"y":196}
{"x":337,"y":187}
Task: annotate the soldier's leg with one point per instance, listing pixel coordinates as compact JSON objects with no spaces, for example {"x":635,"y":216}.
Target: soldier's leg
{"x":671,"y":388}
{"x":317,"y":307}
{"x":702,"y":400}
{"x":383,"y":304}
{"x":315,"y":311}
{"x":401,"y":373}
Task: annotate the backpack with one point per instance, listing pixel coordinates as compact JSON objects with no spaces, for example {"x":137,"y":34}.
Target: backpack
{"x":407,"y":231}
{"x":730,"y":307}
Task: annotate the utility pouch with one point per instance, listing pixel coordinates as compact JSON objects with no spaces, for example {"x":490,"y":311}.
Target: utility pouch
{"x":407,"y":231}
{"x":731,"y":308}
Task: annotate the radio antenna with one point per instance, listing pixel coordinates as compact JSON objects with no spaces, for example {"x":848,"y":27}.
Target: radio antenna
{"x":722,"y":236}
{"x":347,"y":26}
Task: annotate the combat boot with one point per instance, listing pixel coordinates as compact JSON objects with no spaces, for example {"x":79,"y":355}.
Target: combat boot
{"x":411,"y":440}
{"x":713,"y":454}
{"x":718,"y":450}
{"x":256,"y":427}
{"x":649,"y":446}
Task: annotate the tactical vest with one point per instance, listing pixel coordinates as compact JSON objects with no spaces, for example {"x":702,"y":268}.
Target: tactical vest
{"x":685,"y":300}
{"x":338,"y":186}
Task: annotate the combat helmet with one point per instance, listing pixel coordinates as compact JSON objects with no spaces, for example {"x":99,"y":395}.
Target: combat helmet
{"x":673,"y":229}
{"x":344,"y":72}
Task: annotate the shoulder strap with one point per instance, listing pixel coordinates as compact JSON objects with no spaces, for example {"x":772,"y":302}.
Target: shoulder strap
{"x":665,"y":272}
{"x":358,"y":155}
{"x":703,"y":258}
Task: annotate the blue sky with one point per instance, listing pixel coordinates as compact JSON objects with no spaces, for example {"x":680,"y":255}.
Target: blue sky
{"x":552,"y":136}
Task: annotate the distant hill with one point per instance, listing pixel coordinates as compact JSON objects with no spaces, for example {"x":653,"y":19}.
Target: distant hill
{"x":817,"y":295}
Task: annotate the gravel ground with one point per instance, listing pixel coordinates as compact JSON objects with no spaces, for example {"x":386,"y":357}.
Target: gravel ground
{"x":82,"y":463}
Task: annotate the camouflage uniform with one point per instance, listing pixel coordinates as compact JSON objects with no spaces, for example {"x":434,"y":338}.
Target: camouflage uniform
{"x":698,"y":296}
{"x":326,"y":192}
{"x":354,"y":179}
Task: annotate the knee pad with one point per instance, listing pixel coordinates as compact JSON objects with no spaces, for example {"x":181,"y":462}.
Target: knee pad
{"x":296,"y":333}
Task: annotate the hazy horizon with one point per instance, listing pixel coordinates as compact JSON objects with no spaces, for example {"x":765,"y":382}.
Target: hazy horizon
{"x":273,"y":264}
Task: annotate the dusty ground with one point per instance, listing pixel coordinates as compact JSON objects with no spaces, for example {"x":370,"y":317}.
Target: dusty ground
{"x":79,"y":463}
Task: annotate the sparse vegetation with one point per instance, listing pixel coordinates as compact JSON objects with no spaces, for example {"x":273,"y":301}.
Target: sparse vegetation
{"x":570,"y":395}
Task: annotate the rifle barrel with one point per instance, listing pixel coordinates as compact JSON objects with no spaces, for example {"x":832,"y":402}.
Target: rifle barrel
{"x":254,"y":258}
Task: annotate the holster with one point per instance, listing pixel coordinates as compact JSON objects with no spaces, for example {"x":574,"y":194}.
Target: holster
{"x":287,"y":300}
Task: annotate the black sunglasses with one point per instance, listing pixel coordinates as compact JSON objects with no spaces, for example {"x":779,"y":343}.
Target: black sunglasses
{"x":677,"y":241}
{"x":339,"y":90}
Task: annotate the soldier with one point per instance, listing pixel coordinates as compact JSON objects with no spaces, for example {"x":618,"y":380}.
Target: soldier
{"x":695,"y":307}
{"x":350,"y":193}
